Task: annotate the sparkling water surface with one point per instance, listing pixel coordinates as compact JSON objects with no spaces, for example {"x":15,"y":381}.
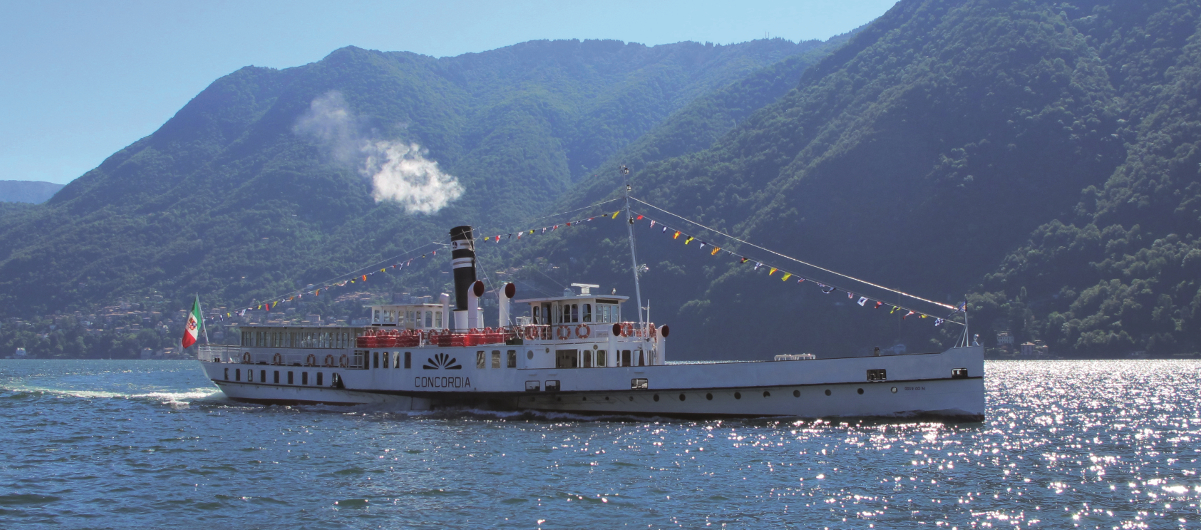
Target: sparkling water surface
{"x":120,"y":444}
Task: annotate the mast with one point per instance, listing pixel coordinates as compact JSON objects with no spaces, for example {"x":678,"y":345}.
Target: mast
{"x":633,"y":258}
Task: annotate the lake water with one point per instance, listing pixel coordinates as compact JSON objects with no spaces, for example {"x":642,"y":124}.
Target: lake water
{"x":120,"y":444}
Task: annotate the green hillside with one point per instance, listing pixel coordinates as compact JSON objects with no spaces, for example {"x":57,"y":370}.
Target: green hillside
{"x":943,"y":150}
{"x":264,"y":182}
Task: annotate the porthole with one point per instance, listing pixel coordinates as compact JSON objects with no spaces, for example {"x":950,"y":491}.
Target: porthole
{"x":766,"y":394}
{"x":860,"y":391}
{"x":709,"y":396}
{"x":738,"y":395}
{"x":656,"y":397}
{"x":631,"y":398}
{"x":827,"y":391}
{"x":894,"y":390}
{"x":796,"y":393}
{"x":529,"y":354}
{"x":681,"y":397}
{"x":585,"y":398}
{"x":606,"y":398}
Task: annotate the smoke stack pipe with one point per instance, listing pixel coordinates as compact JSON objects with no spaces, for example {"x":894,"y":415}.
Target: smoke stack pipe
{"x":462,"y":261}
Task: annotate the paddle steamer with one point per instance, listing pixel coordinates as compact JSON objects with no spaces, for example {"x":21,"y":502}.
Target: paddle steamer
{"x":574,"y":353}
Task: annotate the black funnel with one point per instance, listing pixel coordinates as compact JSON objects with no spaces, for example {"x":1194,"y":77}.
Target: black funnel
{"x":462,"y":260}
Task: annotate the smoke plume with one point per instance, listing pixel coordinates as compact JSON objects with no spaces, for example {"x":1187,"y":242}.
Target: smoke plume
{"x":398,"y":171}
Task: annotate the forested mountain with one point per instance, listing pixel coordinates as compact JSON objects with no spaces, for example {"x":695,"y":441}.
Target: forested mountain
{"x":1039,"y":155}
{"x":272,"y":179}
{"x":1041,"y":158}
{"x":29,"y":191}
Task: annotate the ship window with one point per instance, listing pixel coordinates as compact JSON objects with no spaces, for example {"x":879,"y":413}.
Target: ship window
{"x":566,"y":359}
{"x":385,"y":359}
{"x":479,"y":359}
{"x":512,"y":359}
{"x":575,"y":312}
{"x":641,"y":359}
{"x":535,"y":315}
{"x":587,"y":312}
{"x":552,"y":385}
{"x":262,"y":376}
{"x":438,"y":319}
{"x":496,"y":358}
{"x":600,"y":358}
{"x":375,"y":359}
{"x":290,"y":377}
{"x":638,"y":383}
{"x":532,"y":386}
{"x":877,"y":375}
{"x":237,"y":374}
{"x":429,"y":319}
{"x":959,"y":373}
{"x":227,"y":374}
{"x":625,"y":357}
{"x":319,"y":374}
{"x":375,"y":316}
{"x":587,"y":359}
{"x":304,"y":378}
{"x":275,"y":378}
{"x":408,"y":360}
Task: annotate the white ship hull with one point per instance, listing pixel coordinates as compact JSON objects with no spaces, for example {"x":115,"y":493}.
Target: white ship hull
{"x":947,"y":385}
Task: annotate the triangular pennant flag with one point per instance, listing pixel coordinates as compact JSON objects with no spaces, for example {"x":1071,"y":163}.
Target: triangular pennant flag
{"x":639,"y":218}
{"x":878,"y":304}
{"x":758,"y":264}
{"x":652,"y":223}
{"x":743,"y":260}
{"x":862,"y":300}
{"x":677,"y":236}
{"x":786,"y":276}
{"x":664,"y":229}
{"x":615,"y":214}
{"x":850,"y":295}
{"x":907,"y":315}
{"x":772,"y":271}
{"x":364,"y":277}
{"x":715,"y":250}
{"x":702,"y":244}
{"x":938,"y":322}
{"x":689,"y":240}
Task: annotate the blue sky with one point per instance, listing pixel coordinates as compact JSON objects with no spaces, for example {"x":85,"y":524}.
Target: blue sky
{"x":82,"y":79}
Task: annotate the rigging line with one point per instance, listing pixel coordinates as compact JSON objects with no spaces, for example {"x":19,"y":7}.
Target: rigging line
{"x":576,"y":210}
{"x":358,"y":271}
{"x":852,"y":278}
{"x":555,"y":214}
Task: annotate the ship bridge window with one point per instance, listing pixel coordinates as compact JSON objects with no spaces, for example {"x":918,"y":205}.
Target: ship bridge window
{"x":535,"y":313}
{"x":600,"y":359}
{"x":438,"y":319}
{"x":375,"y":316}
{"x":587,"y":359}
{"x":429,"y":319}
{"x":512,"y":361}
{"x":408,"y":360}
{"x":385,"y":359}
{"x":587,"y":312}
{"x":479,"y":359}
{"x":575,"y":312}
{"x":625,"y":357}
{"x":496,"y":358}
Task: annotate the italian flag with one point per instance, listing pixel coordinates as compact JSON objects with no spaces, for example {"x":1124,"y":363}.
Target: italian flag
{"x":191,"y":331}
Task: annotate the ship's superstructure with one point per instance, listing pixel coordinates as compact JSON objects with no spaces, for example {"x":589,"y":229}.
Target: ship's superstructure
{"x":575,"y":352}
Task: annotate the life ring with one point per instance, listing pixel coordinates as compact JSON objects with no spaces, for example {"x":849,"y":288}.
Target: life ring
{"x":583,"y":331}
{"x":627,"y":329}
{"x":563,"y":333}
{"x":246,"y":358}
{"x":343,"y":361}
{"x":329,"y":360}
{"x":277,"y":359}
{"x":531,"y":332}
{"x":311,"y":360}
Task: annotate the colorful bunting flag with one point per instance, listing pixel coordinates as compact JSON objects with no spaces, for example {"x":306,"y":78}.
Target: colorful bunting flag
{"x":653,"y":223}
{"x":772,"y":271}
{"x":786,"y":276}
{"x":907,"y":315}
{"x":715,"y":251}
{"x":615,"y":214}
{"x":878,"y":304}
{"x":677,"y":235}
{"x":862,"y":300}
{"x":689,"y":240}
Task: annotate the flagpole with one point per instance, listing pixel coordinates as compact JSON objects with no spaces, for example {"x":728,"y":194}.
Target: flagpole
{"x":633,"y":258}
{"x":203,"y":328}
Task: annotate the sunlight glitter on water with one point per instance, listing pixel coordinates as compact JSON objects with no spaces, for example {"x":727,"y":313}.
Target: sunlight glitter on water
{"x":1067,"y":444}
